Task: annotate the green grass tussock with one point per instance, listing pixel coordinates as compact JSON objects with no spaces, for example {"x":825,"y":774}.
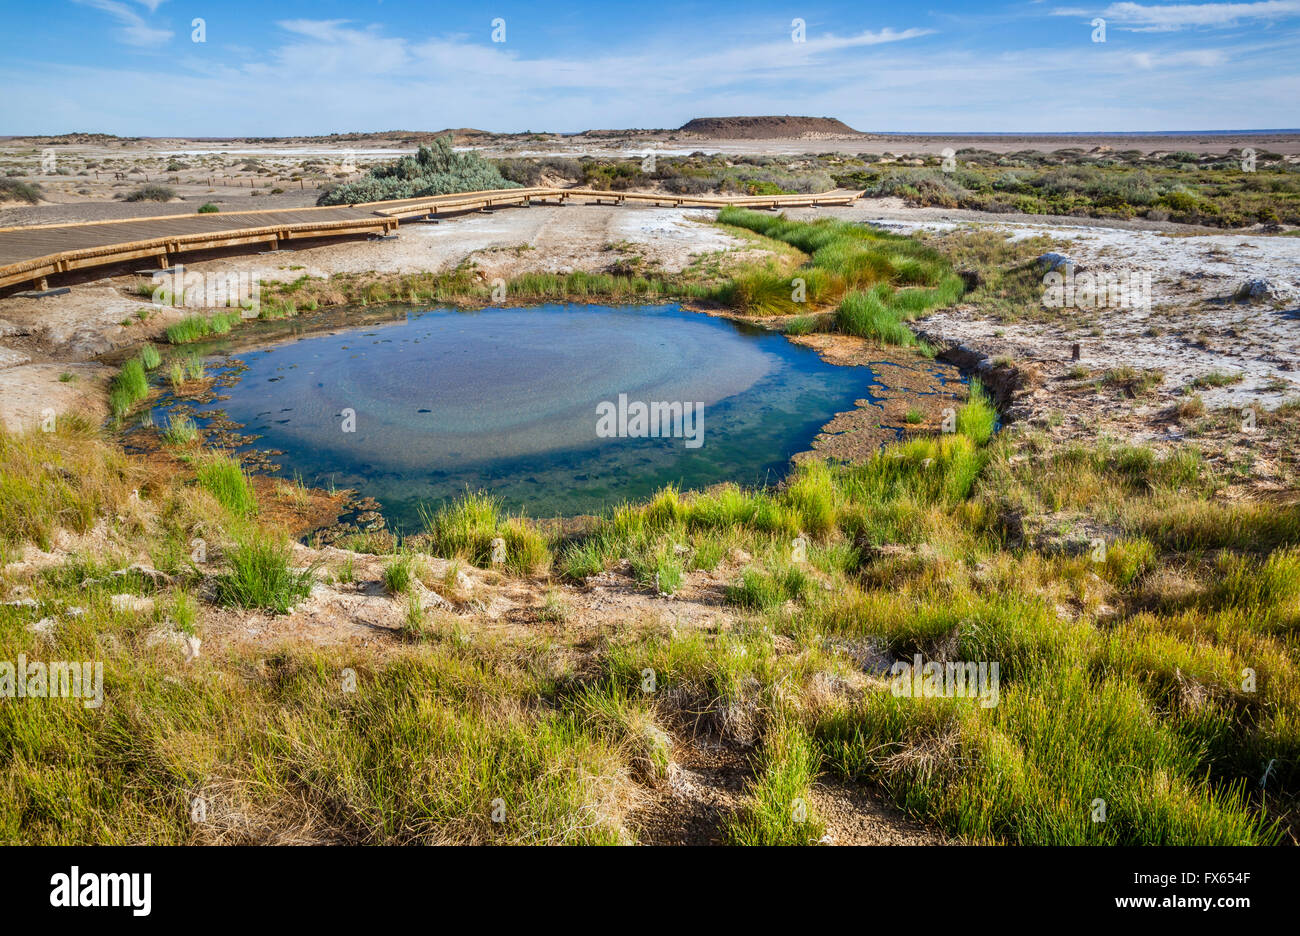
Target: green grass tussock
{"x":223,"y":477}
{"x":467,"y":528}
{"x":259,"y":576}
{"x":197,"y":327}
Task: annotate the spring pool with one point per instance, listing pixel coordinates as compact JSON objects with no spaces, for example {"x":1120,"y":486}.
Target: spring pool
{"x":551,"y":408}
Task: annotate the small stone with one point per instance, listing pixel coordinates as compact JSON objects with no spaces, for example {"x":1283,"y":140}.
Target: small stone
{"x":1052,"y":261}
{"x":144,"y":571}
{"x":1257,"y":290}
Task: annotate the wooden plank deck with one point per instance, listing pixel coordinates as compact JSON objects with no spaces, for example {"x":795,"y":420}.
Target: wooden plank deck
{"x":31,"y":253}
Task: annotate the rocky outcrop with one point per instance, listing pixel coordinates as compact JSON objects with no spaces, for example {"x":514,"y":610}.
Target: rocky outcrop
{"x":11,"y":358}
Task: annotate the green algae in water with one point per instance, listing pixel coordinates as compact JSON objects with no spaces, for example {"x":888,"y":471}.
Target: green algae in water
{"x":419,"y":410}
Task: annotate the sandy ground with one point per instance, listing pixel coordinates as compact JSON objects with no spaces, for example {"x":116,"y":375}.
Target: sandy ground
{"x":514,"y":240}
{"x":34,"y":392}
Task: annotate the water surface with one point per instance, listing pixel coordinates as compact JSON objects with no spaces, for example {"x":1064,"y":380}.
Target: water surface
{"x":506,"y":400}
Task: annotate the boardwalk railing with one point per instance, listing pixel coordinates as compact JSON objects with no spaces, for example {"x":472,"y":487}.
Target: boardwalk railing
{"x":31,"y":253}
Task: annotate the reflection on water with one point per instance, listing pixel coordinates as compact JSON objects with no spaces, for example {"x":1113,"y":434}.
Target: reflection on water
{"x":506,"y":400}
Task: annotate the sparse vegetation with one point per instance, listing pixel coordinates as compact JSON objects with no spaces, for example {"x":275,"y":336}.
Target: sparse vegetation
{"x":12,"y":189}
{"x":158,"y":193}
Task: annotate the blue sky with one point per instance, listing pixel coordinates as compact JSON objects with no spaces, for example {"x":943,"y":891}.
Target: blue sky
{"x":279,"y":67}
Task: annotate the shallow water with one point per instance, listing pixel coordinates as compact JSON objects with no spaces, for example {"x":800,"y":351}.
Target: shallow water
{"x":506,"y":400}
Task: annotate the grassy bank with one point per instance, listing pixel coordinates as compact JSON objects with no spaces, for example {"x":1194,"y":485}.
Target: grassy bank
{"x":879,"y":280}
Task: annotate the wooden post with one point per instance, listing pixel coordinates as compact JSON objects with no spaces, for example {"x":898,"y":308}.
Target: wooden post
{"x":1074,"y":351}
{"x":41,"y":284}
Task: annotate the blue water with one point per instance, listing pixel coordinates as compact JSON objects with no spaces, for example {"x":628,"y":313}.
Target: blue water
{"x":506,"y":400}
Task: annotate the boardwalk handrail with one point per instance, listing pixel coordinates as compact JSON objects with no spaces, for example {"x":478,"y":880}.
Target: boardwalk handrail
{"x":30,"y":253}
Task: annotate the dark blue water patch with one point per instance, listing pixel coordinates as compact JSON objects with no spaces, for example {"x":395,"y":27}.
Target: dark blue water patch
{"x":506,"y":400}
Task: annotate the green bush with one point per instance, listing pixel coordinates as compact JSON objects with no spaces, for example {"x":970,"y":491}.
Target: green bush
{"x":763,"y":591}
{"x":180,"y":431}
{"x":223,"y":477}
{"x":259,"y":576}
{"x":467,"y":527}
{"x":158,"y":193}
{"x":433,"y":170}
{"x":398,"y":574}
{"x":197,"y":327}
{"x":18,"y":190}
{"x":978,"y":417}
{"x":130,"y":386}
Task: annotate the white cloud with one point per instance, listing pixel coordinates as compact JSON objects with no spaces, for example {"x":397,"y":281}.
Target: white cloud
{"x":134,"y":30}
{"x":1201,"y":58}
{"x":1165,"y":18}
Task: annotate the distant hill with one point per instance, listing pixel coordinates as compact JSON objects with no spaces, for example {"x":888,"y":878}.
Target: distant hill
{"x":459,"y":135}
{"x":77,"y":138}
{"x":767,"y":128}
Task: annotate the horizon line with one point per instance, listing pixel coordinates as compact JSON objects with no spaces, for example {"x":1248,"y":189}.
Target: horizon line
{"x":919,"y":133}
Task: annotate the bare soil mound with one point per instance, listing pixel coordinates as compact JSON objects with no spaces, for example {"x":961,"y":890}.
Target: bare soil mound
{"x":767,"y":128}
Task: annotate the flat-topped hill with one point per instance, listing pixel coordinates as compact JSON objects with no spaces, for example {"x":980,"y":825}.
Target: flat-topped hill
{"x":766,"y":128}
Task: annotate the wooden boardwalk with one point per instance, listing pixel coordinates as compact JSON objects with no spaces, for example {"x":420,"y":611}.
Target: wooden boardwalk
{"x":30,"y":254}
